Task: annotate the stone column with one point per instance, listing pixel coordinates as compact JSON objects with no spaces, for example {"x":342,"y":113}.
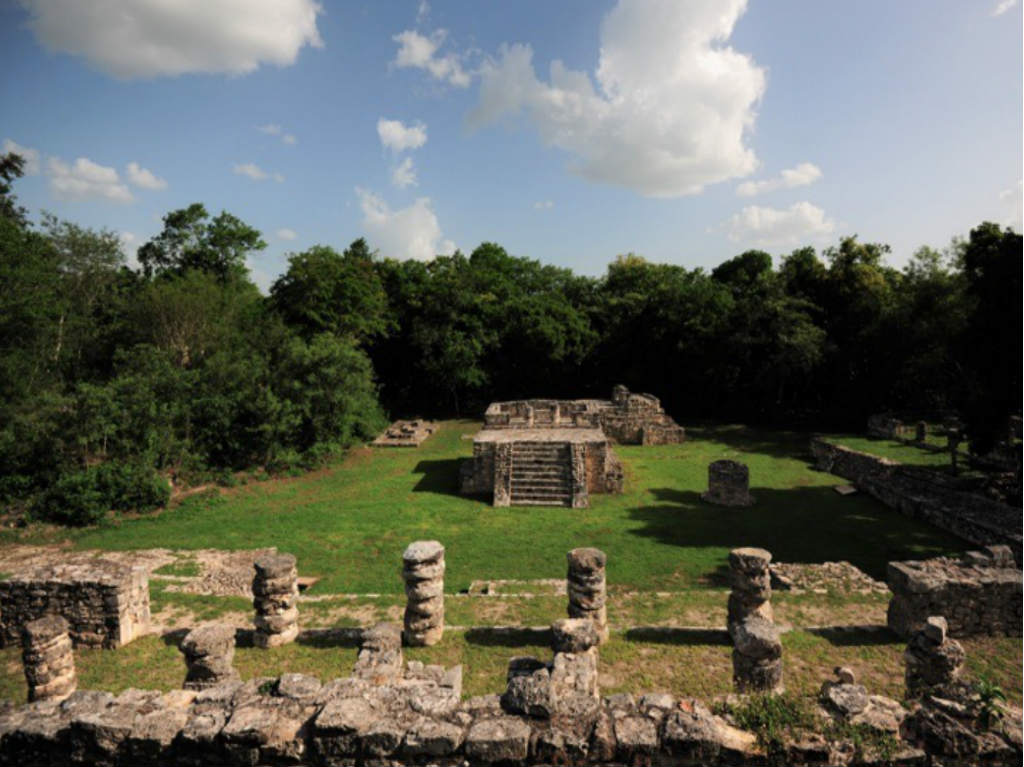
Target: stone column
{"x":48,"y":660}
{"x":275,"y":591}
{"x":586,"y":585}
{"x":380,"y":654}
{"x":932,"y":660}
{"x":757,"y":651}
{"x":728,"y":484}
{"x":209,"y":652}
{"x":578,"y":462}
{"x":423,"y":571}
{"x":503,"y":474}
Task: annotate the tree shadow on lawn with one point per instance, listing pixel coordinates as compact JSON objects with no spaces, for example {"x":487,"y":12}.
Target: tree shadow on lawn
{"x":777,"y":444}
{"x":802,"y":524}
{"x":855,"y":636}
{"x":440,"y":476}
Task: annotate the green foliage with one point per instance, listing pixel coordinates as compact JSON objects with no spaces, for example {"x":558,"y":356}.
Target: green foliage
{"x":988,"y":708}
{"x":132,"y":486}
{"x":74,"y":499}
{"x":774,"y":718}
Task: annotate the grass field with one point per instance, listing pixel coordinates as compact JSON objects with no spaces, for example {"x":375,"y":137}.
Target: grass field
{"x":349,"y":523}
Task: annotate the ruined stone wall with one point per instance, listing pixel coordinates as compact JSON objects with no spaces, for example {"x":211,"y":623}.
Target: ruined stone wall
{"x":104,"y":603}
{"x":978,"y":595}
{"x":924,"y":495}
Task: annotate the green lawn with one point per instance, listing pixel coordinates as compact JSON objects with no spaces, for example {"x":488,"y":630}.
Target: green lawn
{"x":349,"y":523}
{"x":910,"y":455}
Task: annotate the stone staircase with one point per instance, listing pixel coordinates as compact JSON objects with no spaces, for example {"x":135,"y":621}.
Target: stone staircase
{"x":541,"y":474}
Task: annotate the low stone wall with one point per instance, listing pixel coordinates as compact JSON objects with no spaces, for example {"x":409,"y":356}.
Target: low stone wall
{"x":978,"y":595}
{"x":104,"y":603}
{"x":924,"y":495}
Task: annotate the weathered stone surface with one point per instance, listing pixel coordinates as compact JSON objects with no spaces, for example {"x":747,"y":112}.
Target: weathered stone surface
{"x":529,"y":688}
{"x":636,"y":739}
{"x":692,"y":734}
{"x":931,"y":663}
{"x":574,"y":635}
{"x":728,"y":484}
{"x":844,"y":699}
{"x":47,"y":659}
{"x":432,"y":738}
{"x":380,"y":654}
{"x":275,"y":589}
{"x":209,"y":652}
{"x":757,"y":653}
{"x":423,"y":571}
{"x":502,"y":739}
{"x":586,"y":587}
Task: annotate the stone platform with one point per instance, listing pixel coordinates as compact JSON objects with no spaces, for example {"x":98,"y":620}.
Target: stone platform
{"x":405,"y":434}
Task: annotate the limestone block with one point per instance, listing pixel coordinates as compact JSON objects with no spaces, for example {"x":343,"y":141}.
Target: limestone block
{"x":586,"y":587}
{"x":48,"y":660}
{"x":728,"y":484}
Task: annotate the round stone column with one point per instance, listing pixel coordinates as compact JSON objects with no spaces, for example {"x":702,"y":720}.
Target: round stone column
{"x":586,"y":586}
{"x":728,"y":484}
{"x":209,"y":652}
{"x":275,"y":592}
{"x":757,"y":650}
{"x":423,"y":571}
{"x":48,"y":659}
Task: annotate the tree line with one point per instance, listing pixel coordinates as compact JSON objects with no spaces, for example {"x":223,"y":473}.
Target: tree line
{"x":115,"y":379}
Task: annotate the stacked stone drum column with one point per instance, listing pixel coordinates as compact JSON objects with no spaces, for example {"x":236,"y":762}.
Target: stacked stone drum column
{"x":932,"y":659}
{"x":209,"y":652}
{"x":48,"y":659}
{"x":728,"y":484}
{"x":423,"y":571}
{"x":275,"y":591}
{"x":757,"y":651}
{"x":586,"y":585}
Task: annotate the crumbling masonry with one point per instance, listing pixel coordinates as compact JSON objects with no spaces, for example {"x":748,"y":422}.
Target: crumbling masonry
{"x":275,"y":592}
{"x":757,"y":650}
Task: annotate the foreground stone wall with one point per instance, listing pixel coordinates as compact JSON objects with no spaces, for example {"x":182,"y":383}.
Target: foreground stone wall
{"x":104,"y":603}
{"x":978,"y":595}
{"x":924,"y":495}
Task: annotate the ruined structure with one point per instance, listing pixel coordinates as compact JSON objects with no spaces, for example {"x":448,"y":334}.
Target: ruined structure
{"x":932,"y":659}
{"x":275,"y":591}
{"x":48,"y":660}
{"x":927,"y":495}
{"x":728,"y":484}
{"x":405,"y":434}
{"x":586,"y":586}
{"x":757,"y":650}
{"x":980,"y":594}
{"x":209,"y":652}
{"x":105,"y":604}
{"x":423,"y":571}
{"x":556,"y":452}
{"x":380,"y":654}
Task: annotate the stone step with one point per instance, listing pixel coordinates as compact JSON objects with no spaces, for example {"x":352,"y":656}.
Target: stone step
{"x":547,"y":469}
{"x":559,"y":454}
{"x":533,"y":500}
{"x":540,"y":485}
{"x":544,"y":479}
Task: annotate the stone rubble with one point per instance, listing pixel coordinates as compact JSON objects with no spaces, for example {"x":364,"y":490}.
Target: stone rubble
{"x":586,"y":587}
{"x":728,"y":484}
{"x":757,"y":649}
{"x":380,"y":654}
{"x":209,"y":653}
{"x":932,"y":659}
{"x":423,"y":571}
{"x":48,"y":659}
{"x":275,"y":592}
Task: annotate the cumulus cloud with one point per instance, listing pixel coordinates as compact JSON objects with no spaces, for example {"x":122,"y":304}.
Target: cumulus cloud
{"x":286,"y":234}
{"x":803,"y":174}
{"x":273,"y":129}
{"x":255,"y":172}
{"x":404,"y":174}
{"x":412,"y":232}
{"x":85,"y":180}
{"x":29,"y":155}
{"x":798,"y":223}
{"x":398,"y":137}
{"x":1003,"y":7}
{"x":672,"y":102}
{"x":153,"y":38}
{"x":143,"y":178}
{"x":543,"y":205}
{"x":420,"y":52}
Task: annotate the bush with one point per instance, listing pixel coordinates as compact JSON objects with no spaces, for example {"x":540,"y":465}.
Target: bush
{"x":74,"y":499}
{"x":132,"y":486}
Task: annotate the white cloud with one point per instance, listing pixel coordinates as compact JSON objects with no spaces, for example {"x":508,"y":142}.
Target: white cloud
{"x":273,"y":129}
{"x":543,"y":205}
{"x":30,"y":156}
{"x":404,"y":174}
{"x":412,"y":232}
{"x":803,"y":174}
{"x":672,"y":104}
{"x":152,"y":38}
{"x":143,"y":178}
{"x":398,"y":137}
{"x":422,"y":11}
{"x":130,"y":248}
{"x":1003,"y":7}
{"x":85,"y":180}
{"x":255,"y":172}
{"x":286,"y":234}
{"x":1013,"y":199}
{"x":418,"y":51}
{"x":288,"y":138}
{"x":800,"y":222}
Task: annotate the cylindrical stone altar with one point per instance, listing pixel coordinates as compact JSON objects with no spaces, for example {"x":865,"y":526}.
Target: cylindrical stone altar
{"x":423,"y":571}
{"x":275,"y":591}
{"x":728,"y":484}
{"x":209,"y":652}
{"x":757,"y":651}
{"x":48,"y":659}
{"x":586,"y":586}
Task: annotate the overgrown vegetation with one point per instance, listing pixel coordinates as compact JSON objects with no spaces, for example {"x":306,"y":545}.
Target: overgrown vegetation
{"x":112,"y":375}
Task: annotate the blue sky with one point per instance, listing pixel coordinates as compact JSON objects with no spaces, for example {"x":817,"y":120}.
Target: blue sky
{"x":683,"y":130}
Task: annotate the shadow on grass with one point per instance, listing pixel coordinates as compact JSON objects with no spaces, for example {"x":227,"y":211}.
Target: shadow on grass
{"x":778,"y":444}
{"x":440,"y":476}
{"x":509,"y":636}
{"x":855,"y":636}
{"x":801,"y":524}
{"x":677,"y":636}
